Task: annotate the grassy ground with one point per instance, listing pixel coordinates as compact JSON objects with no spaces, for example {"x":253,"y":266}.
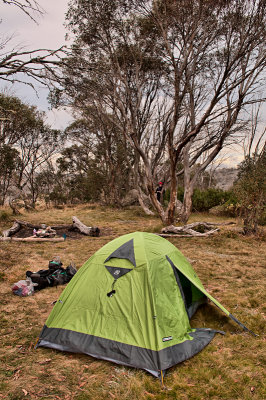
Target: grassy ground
{"x":229,"y":265}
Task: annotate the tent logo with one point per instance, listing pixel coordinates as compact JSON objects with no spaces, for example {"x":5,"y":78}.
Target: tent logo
{"x":166,"y":339}
{"x":117,"y":272}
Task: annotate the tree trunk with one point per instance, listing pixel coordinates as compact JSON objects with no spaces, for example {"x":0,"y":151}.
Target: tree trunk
{"x":188,"y":188}
{"x":157,"y":205}
{"x":250,"y":223}
{"x":187,"y":204}
{"x":13,"y":207}
{"x":149,"y":183}
{"x":172,"y":203}
{"x":142,"y":204}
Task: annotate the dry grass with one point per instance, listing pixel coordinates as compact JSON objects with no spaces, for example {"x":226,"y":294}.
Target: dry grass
{"x":231,"y":367}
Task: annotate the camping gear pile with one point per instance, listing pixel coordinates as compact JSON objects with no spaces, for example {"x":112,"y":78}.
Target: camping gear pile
{"x":44,"y":232}
{"x":53,"y":276}
{"x":131,"y":303}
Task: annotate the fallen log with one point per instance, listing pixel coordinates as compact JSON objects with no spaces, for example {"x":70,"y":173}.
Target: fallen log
{"x":197,"y":229}
{"x":36,"y":239}
{"x":31,"y":239}
{"x":40,"y":226}
{"x":14,"y":229}
{"x":85,"y":230}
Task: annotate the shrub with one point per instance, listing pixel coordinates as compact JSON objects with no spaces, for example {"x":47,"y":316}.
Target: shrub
{"x":204,"y":200}
{"x":250,"y":190}
{"x":4,"y":216}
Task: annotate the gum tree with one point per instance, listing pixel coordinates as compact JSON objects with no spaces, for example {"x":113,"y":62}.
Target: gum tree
{"x":25,"y":134}
{"x":176,"y":76}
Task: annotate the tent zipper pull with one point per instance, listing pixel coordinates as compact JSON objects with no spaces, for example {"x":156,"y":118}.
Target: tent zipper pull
{"x":110,"y":294}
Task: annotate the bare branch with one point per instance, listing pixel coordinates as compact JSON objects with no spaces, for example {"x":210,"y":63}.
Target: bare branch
{"x":29,"y":7}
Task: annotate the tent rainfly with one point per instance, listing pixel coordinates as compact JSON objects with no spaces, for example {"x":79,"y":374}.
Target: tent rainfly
{"x":131,"y":303}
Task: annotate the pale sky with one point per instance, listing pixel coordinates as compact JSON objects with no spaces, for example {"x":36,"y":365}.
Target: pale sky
{"x":48,"y":33}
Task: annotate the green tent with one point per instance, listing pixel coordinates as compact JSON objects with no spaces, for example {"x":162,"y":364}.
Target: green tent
{"x":130,"y":303}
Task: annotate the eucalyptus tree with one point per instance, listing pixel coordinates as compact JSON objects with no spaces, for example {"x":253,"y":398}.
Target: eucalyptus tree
{"x":9,"y":160}
{"x":175,"y":78}
{"x":250,"y":190}
{"x":102,"y":155}
{"x":114,"y":72}
{"x":250,"y":186}
{"x":24,"y":130}
{"x":215,"y":53}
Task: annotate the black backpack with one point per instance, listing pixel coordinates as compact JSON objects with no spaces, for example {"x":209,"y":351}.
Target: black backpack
{"x":54,"y":276}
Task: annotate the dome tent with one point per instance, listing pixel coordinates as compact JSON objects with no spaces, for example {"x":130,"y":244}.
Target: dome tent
{"x":130,"y":303}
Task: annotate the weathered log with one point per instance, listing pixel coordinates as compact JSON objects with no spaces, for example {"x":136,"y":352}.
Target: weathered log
{"x":14,"y":229}
{"x":168,"y":235}
{"x":67,"y":227}
{"x":36,"y":239}
{"x":85,"y":230}
{"x":40,"y":226}
{"x":190,"y":230}
{"x":31,"y":239}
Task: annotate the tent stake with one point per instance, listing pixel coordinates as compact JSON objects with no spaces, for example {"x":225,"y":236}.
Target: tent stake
{"x":162,"y":377}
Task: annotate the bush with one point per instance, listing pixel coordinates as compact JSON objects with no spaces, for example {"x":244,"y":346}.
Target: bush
{"x":180,"y":195}
{"x":4,"y":216}
{"x":250,"y":190}
{"x":57,"y":197}
{"x":204,"y":200}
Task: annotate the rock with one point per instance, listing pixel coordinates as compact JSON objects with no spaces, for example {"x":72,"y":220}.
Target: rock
{"x":131,"y":199}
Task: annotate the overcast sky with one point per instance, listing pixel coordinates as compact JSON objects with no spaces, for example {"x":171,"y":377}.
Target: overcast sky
{"x":48,"y":33}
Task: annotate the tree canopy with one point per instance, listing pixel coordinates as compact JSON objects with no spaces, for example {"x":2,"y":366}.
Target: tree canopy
{"x":27,"y":143}
{"x":174,"y":78}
